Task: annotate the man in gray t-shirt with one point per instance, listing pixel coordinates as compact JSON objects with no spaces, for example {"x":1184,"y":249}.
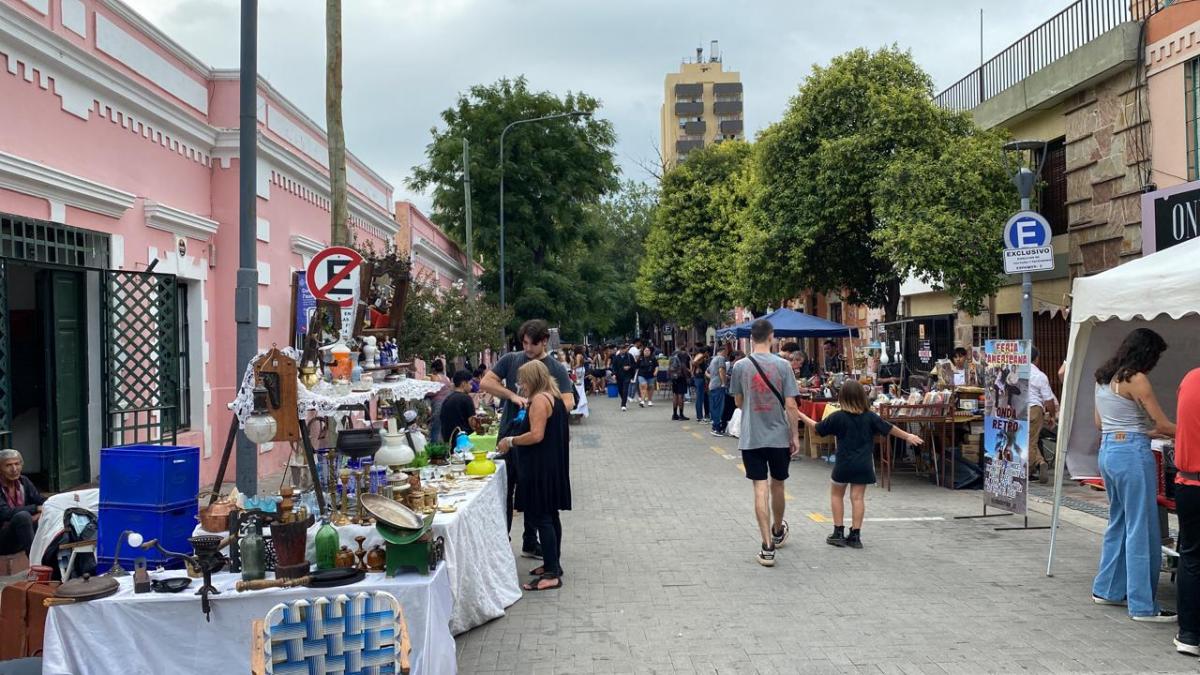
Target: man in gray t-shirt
{"x":718,"y":383}
{"x":765,"y":390}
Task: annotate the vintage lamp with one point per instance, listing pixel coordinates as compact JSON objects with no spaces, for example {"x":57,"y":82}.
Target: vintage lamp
{"x":135,"y":540}
{"x":260,"y":427}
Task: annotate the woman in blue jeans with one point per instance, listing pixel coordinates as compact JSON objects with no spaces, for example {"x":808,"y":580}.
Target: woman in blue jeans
{"x":1127,"y":413}
{"x":699,"y":365}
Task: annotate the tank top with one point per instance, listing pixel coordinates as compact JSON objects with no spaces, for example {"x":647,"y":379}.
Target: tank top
{"x":1118,"y":413}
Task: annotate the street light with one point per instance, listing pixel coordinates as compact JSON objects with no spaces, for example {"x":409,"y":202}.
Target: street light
{"x":573,"y":113}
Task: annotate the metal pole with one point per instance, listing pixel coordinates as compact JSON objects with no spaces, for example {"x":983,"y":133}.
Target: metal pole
{"x":470,"y":232}
{"x":246,"y":293}
{"x":1026,"y":293}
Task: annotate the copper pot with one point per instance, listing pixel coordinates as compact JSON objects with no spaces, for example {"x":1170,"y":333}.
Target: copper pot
{"x":215,"y":516}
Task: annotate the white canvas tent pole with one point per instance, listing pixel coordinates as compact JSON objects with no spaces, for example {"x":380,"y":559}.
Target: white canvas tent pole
{"x":1076,"y":354}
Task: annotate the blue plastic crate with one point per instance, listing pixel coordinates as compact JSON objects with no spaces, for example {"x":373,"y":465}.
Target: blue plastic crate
{"x":149,"y":475}
{"x":171,"y":526}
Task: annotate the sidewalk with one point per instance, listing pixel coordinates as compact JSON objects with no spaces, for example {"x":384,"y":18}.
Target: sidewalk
{"x":660,"y":577}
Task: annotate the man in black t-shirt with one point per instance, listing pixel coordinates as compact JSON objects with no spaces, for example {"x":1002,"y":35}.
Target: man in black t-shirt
{"x":458,"y":410}
{"x":501,"y":382}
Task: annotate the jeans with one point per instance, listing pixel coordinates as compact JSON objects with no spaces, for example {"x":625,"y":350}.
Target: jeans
{"x":17,"y":534}
{"x":549,"y":531}
{"x":716,"y":408}
{"x":1187,"y":589}
{"x":1131,"y":554}
{"x":623,"y":390}
{"x":702,"y":404}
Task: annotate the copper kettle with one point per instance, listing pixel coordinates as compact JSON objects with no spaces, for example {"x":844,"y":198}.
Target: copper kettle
{"x":215,"y":517}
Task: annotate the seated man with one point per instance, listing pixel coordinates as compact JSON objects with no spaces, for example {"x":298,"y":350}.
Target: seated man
{"x":21,"y":506}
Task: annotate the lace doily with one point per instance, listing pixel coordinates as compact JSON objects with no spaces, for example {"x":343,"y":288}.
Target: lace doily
{"x":326,"y":404}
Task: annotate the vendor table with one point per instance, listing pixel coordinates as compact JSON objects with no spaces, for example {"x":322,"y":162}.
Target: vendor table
{"x":479,"y":558}
{"x":154,"y":633}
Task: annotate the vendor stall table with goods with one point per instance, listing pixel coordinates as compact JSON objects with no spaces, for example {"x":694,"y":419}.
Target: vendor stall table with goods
{"x":156,"y":633}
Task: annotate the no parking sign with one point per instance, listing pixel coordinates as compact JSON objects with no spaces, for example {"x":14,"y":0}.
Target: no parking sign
{"x":333,"y":275}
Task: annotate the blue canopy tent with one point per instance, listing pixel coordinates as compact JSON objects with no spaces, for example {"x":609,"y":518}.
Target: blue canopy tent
{"x":789,"y":323}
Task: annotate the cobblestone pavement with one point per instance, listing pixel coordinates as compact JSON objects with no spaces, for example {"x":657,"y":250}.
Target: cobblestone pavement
{"x":660,"y":577}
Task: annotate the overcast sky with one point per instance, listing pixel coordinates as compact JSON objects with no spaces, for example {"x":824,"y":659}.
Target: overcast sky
{"x":406,"y":60}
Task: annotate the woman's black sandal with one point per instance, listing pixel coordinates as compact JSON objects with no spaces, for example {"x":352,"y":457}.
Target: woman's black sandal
{"x":534,"y":587}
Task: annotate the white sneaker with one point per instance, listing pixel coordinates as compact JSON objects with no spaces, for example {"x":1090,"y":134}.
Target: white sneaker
{"x":624,"y":409}
{"x":650,"y":403}
{"x":1163,"y":616}
{"x":641,"y":403}
{"x":1185,"y":648}
{"x":1104,"y":601}
{"x":766,"y":557}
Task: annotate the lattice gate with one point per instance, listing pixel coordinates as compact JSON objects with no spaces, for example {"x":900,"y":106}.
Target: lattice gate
{"x":141,"y":367}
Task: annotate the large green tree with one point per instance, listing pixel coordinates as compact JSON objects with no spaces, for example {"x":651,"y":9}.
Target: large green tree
{"x":825,"y":211}
{"x":554,"y":171}
{"x":687,"y":271}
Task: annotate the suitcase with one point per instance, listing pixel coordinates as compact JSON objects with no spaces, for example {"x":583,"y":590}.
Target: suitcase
{"x":23,"y":618}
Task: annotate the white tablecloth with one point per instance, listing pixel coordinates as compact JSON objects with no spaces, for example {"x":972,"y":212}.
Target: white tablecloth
{"x":479,"y":557}
{"x":50,"y":525}
{"x":156,"y":633}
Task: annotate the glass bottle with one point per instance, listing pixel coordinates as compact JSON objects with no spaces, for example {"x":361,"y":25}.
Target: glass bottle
{"x":253,"y":551}
{"x":327,"y":546}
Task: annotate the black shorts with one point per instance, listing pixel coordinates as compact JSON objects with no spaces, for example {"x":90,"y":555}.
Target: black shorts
{"x":760,"y":461}
{"x":679,"y":386}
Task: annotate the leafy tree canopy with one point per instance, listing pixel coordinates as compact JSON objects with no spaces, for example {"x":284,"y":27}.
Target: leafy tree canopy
{"x":555,"y":170}
{"x":825,"y":188}
{"x":687,"y":270}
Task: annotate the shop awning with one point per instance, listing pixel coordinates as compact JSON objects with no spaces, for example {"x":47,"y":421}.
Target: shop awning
{"x":789,"y":323}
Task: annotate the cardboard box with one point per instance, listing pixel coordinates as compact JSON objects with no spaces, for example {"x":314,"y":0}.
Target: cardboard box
{"x":17,"y":563}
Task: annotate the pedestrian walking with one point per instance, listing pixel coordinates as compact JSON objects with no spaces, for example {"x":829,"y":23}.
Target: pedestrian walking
{"x":764,"y":389}
{"x":545,"y":470}
{"x":502,"y":382}
{"x":1187,"y":507}
{"x":717,"y":374}
{"x":680,"y":369}
{"x":855,"y":428}
{"x":700,"y":382}
{"x":1042,"y":406}
{"x":647,"y":369}
{"x":437,"y":373}
{"x":1128,"y":412}
{"x":624,"y":367}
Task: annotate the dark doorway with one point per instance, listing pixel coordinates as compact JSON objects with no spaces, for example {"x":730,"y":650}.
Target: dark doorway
{"x":49,"y":373}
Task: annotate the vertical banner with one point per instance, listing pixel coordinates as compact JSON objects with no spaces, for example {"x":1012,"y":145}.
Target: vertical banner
{"x":305,"y":305}
{"x":1006,"y":425}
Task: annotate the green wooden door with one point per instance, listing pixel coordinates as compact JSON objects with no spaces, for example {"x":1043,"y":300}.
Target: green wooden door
{"x":62,"y":295}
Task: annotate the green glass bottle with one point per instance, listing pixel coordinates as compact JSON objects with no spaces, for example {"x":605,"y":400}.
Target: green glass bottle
{"x":253,"y":550}
{"x":327,"y":546}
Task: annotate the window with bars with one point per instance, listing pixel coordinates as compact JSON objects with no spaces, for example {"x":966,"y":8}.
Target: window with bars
{"x":1052,"y":195}
{"x":835,"y":312}
{"x":1191,"y":103}
{"x":185,"y":353}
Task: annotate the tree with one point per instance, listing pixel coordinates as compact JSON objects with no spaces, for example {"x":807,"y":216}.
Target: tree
{"x":819,"y":209}
{"x":554,"y":171}
{"x":687,"y":271}
{"x":447,"y":323}
{"x":336,"y":136}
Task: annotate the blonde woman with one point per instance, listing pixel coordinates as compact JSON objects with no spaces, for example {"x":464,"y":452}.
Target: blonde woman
{"x":544,"y":487}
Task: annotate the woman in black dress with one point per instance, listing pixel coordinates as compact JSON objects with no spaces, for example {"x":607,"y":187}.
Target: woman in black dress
{"x":544,"y":467}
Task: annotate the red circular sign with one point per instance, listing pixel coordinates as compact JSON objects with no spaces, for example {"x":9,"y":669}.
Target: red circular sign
{"x":333,"y":274}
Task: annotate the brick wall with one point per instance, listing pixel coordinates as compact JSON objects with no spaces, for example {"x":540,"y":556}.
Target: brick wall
{"x":1106,"y":152}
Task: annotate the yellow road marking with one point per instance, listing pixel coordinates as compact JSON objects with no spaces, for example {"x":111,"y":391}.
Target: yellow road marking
{"x":742,"y":467}
{"x":817,"y":518}
{"x":787,"y":497}
{"x":717,"y":450}
{"x":696,"y":435}
{"x":685,"y":427}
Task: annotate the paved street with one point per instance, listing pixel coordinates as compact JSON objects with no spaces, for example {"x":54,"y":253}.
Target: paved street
{"x":660,"y":577}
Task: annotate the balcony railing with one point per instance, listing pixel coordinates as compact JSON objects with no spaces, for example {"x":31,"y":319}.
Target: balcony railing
{"x":1065,"y":32}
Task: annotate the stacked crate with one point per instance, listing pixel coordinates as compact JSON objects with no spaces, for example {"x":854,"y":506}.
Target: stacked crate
{"x":151,"y":490}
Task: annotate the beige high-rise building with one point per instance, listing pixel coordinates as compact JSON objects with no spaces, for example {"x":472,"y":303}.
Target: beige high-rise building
{"x":702,"y":104}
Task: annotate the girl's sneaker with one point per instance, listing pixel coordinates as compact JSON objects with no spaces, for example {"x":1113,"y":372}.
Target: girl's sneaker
{"x":766,"y":556}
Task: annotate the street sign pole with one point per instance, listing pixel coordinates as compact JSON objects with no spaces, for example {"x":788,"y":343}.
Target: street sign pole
{"x":1026,"y":290}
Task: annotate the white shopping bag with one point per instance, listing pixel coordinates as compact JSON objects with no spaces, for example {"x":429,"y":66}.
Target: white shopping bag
{"x":734,"y":428}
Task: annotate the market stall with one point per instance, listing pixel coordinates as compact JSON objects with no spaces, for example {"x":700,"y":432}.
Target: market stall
{"x":789,"y":323}
{"x":155,"y":633}
{"x":1160,"y":292}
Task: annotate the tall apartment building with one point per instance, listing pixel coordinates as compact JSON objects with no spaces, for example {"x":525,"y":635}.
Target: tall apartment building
{"x":702,"y":104}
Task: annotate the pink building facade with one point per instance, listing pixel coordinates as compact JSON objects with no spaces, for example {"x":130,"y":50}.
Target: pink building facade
{"x":118,"y":157}
{"x":436,"y":258}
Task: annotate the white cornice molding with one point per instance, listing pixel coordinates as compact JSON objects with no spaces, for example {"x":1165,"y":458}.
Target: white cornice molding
{"x":290,"y":108}
{"x":158,"y":37}
{"x":426,"y":248}
{"x":31,"y":178}
{"x":302,"y":245}
{"x":177,"y":221}
{"x":65,"y":59}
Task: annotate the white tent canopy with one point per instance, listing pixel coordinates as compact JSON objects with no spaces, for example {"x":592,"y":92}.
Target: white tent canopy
{"x":1160,"y":291}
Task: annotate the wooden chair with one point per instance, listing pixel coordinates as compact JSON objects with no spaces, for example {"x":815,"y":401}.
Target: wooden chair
{"x":360,"y":633}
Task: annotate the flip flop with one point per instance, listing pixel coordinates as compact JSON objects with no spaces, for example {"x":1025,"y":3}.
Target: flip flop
{"x":541,"y":571}
{"x":533,"y":587}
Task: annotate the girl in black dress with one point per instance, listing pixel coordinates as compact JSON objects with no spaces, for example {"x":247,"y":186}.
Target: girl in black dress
{"x":855,"y":427}
{"x":544,"y":468}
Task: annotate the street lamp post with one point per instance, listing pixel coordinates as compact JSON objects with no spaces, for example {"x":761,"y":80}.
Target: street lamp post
{"x":246,"y":292}
{"x":573,"y":113}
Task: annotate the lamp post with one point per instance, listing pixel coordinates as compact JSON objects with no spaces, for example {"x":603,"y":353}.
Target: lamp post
{"x":573,"y":113}
{"x":246,"y":293}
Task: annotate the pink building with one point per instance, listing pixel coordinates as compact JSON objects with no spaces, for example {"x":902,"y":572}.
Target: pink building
{"x":118,"y":156}
{"x":436,"y":257}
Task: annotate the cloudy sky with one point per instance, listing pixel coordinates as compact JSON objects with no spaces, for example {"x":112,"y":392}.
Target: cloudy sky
{"x":406,"y":60}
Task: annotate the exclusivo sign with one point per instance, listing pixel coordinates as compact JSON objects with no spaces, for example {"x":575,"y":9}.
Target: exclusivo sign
{"x":1021,"y":260}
